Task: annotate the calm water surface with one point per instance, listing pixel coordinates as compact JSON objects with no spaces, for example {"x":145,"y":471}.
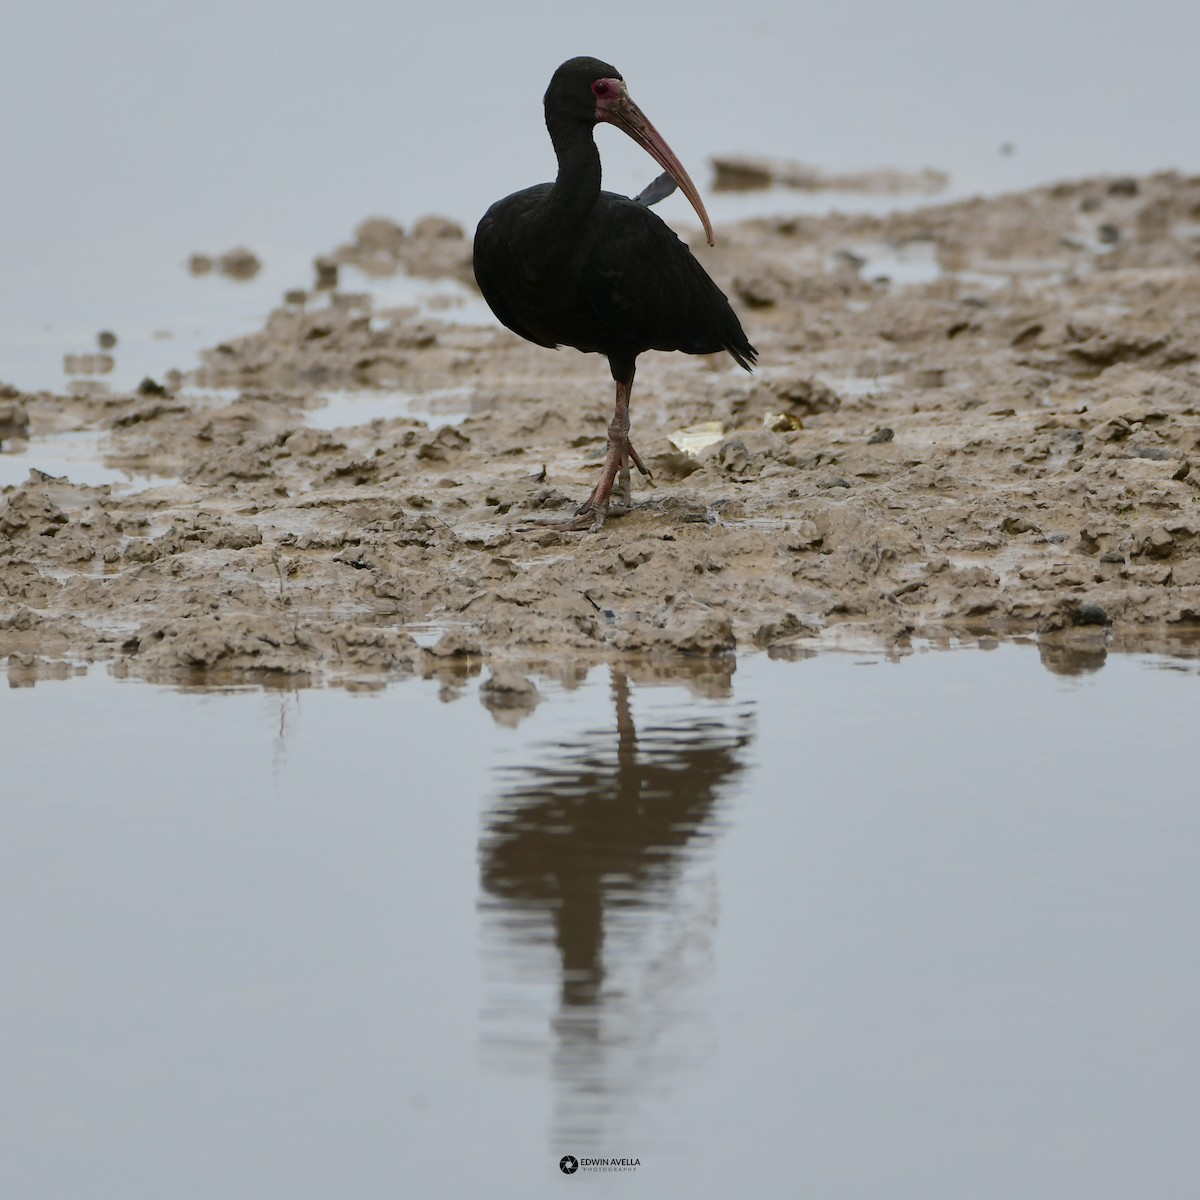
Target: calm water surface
{"x":835,"y":927}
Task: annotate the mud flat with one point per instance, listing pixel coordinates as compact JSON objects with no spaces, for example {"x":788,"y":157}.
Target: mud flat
{"x":973,"y":420}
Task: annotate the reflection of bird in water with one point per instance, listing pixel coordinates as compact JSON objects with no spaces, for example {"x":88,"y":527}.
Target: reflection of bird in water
{"x":566,"y":264}
{"x":600,"y":836}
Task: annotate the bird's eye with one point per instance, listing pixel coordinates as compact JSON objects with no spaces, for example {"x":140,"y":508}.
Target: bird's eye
{"x":600,"y":87}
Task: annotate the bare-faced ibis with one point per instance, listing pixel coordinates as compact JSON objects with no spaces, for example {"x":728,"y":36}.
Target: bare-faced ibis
{"x":566,"y":264}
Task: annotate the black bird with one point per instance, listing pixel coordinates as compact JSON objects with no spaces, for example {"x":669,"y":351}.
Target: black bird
{"x":566,"y":264}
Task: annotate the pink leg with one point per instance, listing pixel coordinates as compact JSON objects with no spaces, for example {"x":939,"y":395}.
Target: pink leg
{"x":591,"y":514}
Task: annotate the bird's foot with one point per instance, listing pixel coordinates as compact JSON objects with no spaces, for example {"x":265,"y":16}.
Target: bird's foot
{"x":591,"y":514}
{"x":616,"y":472}
{"x":586,"y":520}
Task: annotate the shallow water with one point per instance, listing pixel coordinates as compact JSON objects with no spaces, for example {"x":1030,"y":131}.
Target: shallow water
{"x":342,"y":408}
{"x":864,"y":927}
{"x":77,"y":454}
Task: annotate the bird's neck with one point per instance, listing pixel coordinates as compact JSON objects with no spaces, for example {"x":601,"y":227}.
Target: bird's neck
{"x":577,"y":188}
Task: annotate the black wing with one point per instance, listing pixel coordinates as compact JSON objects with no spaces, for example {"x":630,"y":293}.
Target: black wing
{"x":499,"y":268}
{"x":648,"y":288}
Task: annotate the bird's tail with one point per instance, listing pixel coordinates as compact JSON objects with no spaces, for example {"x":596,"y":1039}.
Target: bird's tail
{"x":743,"y":353}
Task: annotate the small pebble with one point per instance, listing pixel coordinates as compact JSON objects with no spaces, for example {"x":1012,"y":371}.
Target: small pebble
{"x":106,"y":339}
{"x":327,"y":273}
{"x":239,"y":263}
{"x":1090,"y":614}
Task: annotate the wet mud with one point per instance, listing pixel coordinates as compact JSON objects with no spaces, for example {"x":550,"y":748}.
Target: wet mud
{"x":972,"y":420}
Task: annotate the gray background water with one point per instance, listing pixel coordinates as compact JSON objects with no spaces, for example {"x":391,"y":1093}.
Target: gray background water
{"x":135,"y":132}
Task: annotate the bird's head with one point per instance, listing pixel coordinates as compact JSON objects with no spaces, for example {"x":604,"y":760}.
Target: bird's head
{"x":589,"y":91}
{"x":572,"y":94}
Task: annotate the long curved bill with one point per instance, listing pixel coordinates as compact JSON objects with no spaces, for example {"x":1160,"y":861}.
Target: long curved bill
{"x":626,"y":116}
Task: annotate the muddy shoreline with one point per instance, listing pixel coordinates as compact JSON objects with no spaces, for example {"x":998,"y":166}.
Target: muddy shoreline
{"x":976,"y":420}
